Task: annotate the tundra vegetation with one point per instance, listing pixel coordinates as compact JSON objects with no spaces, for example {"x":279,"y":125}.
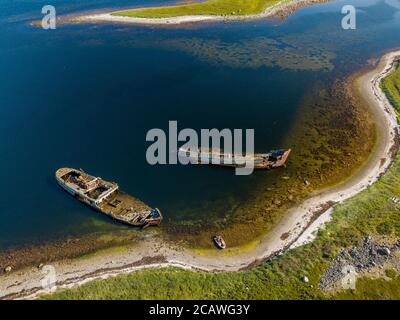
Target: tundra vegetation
{"x":370,"y":213}
{"x":209,"y":7}
{"x":391,"y":87}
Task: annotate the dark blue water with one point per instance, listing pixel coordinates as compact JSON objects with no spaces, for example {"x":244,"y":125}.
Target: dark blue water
{"x":85,"y":96}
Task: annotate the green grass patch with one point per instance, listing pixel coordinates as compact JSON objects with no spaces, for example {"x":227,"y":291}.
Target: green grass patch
{"x":209,"y":7}
{"x":391,"y":87}
{"x":373,"y":289}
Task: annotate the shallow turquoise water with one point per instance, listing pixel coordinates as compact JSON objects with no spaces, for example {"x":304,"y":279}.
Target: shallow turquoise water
{"x":85,"y":96}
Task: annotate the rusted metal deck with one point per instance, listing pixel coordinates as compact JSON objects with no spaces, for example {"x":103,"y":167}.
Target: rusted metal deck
{"x":106,"y":197}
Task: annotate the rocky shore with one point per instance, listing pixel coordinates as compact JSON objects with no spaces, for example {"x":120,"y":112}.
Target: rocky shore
{"x":368,"y":257}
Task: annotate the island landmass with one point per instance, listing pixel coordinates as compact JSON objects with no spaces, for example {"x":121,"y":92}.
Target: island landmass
{"x":210,"y":10}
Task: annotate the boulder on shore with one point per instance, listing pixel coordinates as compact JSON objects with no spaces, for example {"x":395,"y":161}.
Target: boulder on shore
{"x":384,"y":251}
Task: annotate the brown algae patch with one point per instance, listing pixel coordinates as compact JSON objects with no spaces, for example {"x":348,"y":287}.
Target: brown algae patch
{"x":249,"y":53}
{"x":257,"y":52}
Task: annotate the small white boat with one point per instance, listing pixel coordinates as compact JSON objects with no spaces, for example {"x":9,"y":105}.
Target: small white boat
{"x":219,"y":242}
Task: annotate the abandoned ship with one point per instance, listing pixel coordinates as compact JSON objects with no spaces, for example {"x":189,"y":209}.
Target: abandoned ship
{"x":106,"y":197}
{"x":273,"y":159}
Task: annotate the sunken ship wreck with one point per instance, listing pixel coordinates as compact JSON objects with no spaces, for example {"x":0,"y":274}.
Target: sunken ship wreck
{"x":213,"y":156}
{"x":106,"y":197}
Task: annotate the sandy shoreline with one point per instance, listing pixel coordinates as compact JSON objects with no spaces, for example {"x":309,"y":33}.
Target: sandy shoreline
{"x":298,"y":225}
{"x":281,"y":9}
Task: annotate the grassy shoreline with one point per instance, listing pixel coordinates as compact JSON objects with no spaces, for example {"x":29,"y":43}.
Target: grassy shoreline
{"x":209,"y":7}
{"x":391,"y":86}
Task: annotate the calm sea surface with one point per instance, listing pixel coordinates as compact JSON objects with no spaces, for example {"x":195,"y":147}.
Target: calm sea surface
{"x":85,"y":96}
